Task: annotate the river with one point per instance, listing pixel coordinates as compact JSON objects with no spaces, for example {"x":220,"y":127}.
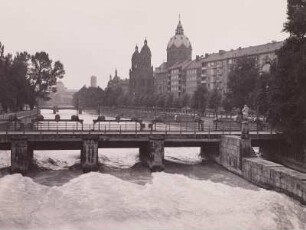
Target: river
{"x":124,"y":194}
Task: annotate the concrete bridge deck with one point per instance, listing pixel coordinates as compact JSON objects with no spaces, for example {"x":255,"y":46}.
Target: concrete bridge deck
{"x":150,"y":143}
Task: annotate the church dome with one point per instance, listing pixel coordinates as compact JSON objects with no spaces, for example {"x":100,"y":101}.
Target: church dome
{"x":179,"y":38}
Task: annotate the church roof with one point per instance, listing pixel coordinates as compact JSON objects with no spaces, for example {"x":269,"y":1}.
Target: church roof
{"x":179,"y":38}
{"x":145,"y":50}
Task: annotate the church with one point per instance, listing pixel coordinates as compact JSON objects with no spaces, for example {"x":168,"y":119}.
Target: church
{"x":169,"y":76}
{"x":141,"y":73}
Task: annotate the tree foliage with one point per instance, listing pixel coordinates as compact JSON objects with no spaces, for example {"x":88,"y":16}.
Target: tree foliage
{"x":24,"y":77}
{"x":200,"y":99}
{"x":296,"y":19}
{"x":241,"y":82}
{"x":44,"y":74}
{"x":215,"y":100}
{"x":287,"y":94}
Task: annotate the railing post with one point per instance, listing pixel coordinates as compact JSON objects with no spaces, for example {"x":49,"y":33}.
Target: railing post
{"x":180,"y":128}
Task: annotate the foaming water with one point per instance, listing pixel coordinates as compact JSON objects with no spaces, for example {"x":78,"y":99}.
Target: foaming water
{"x":102,"y":201}
{"x":124,"y":194}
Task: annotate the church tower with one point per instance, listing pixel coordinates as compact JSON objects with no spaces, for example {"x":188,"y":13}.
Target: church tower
{"x":141,"y":72}
{"x":179,"y":48}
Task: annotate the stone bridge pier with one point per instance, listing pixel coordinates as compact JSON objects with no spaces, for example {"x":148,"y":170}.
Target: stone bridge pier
{"x":21,"y":156}
{"x":152,"y":153}
{"x":89,"y":155}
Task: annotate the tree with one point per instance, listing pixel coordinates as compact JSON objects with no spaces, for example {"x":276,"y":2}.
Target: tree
{"x":215,"y":100}
{"x":44,"y":74}
{"x":296,"y":15}
{"x":185,"y":100}
{"x":200,"y":99}
{"x":286,"y":92}
{"x":241,"y":81}
{"x":20,"y":88}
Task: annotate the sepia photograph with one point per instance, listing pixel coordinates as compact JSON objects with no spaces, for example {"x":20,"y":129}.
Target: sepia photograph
{"x":144,"y":115}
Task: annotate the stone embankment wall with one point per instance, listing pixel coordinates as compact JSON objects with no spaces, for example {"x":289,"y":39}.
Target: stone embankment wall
{"x":230,"y":156}
{"x":235,"y":157}
{"x":275,"y":176}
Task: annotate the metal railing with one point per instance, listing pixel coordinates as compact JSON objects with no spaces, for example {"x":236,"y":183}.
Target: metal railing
{"x":20,"y":114}
{"x":133,"y":127}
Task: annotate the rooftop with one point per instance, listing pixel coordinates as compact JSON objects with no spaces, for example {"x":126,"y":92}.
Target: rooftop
{"x":251,"y":50}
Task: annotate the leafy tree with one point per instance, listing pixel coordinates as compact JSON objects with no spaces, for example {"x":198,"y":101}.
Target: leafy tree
{"x":200,"y":99}
{"x":169,"y":100}
{"x":227,"y":105}
{"x":161,"y":101}
{"x":296,"y":19}
{"x":185,"y":100}
{"x":44,"y":74}
{"x":89,"y":97}
{"x":241,"y":82}
{"x":20,"y":88}
{"x":215,"y":100}
{"x":286,"y":92}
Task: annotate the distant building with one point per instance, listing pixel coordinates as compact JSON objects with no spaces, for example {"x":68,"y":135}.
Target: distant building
{"x":180,"y":75}
{"x":193,"y":76}
{"x":117,"y":82}
{"x":216,"y":66}
{"x":141,"y":73}
{"x":170,"y":76}
{"x":161,"y":79}
{"x":93,"y":81}
{"x":179,"y":48}
{"x":62,"y":96}
{"x":177,"y":78}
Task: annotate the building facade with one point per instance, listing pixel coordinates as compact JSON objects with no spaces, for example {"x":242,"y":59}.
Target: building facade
{"x":62,"y":96}
{"x":217,"y":66}
{"x":141,"y":73}
{"x":193,"y":76}
{"x":116,"y":82}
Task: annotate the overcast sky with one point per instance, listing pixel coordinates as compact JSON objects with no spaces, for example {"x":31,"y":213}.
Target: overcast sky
{"x":93,"y":37}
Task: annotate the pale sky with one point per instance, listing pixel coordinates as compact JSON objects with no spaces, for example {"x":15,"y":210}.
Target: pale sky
{"x":93,"y":37}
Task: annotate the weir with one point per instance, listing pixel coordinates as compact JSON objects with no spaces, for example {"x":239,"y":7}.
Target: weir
{"x":226,"y":149}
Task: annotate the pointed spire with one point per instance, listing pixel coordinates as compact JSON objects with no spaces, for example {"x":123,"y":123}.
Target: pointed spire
{"x":116,"y":72}
{"x":179,"y":28}
{"x":136,"y":48}
{"x":145,"y":42}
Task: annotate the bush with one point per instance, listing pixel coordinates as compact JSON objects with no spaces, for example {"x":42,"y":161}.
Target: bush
{"x":57,"y":117}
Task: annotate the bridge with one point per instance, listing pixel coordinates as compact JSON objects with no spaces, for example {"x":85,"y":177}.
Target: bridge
{"x":56,"y":108}
{"x":150,"y":142}
{"x":59,"y":107}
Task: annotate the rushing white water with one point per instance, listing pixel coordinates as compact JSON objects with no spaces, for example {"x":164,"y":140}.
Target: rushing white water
{"x":188,"y":195}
